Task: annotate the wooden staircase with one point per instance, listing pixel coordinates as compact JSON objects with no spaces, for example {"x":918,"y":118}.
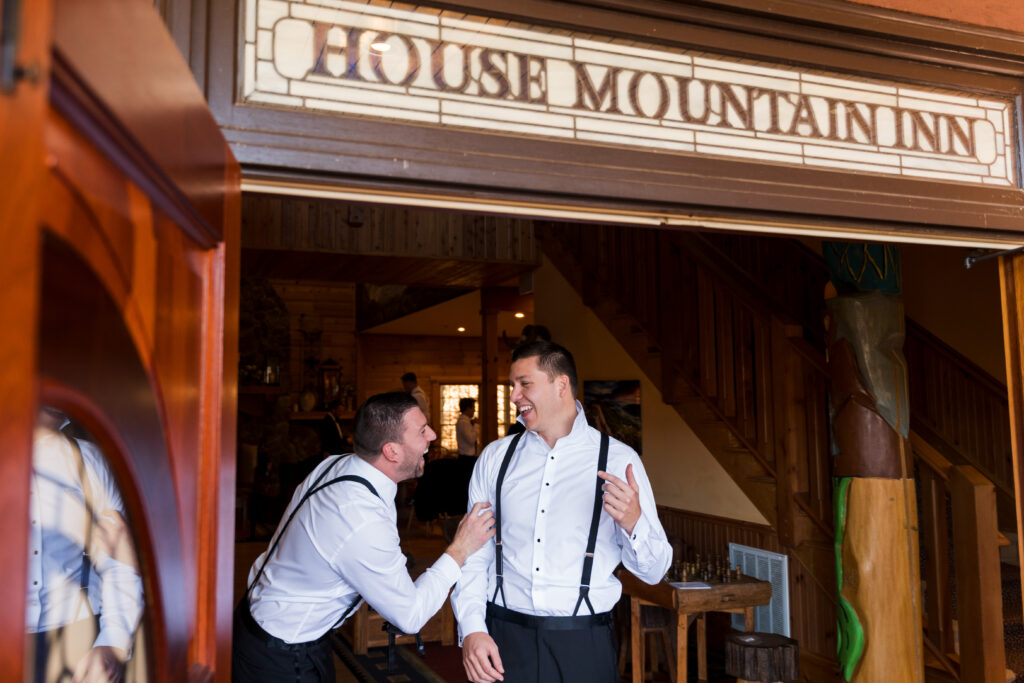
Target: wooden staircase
{"x":729,"y":329}
{"x":743,"y":377}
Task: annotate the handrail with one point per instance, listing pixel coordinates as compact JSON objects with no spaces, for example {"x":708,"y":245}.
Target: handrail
{"x":929,"y":456}
{"x":971,"y":498}
{"x":966,"y":365}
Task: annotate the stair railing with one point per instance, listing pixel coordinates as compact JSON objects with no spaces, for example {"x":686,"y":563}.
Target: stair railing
{"x":962,"y":497}
{"x":941,"y":380}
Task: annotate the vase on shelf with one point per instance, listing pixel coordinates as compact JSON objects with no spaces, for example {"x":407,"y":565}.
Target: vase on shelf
{"x":307,"y":401}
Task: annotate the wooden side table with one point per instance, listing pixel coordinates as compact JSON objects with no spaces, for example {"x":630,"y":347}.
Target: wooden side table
{"x":737,"y":597}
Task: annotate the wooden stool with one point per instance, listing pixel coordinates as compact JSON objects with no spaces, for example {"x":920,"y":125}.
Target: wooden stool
{"x":763,"y":657}
{"x":659,"y":623}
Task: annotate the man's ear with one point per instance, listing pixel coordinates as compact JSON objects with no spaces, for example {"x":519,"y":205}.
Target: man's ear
{"x":563,"y":383}
{"x":390,"y":452}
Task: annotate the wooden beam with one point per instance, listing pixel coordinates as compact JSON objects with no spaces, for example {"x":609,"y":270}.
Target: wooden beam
{"x":487,"y":405}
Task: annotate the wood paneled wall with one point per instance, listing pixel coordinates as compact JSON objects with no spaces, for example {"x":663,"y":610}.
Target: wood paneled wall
{"x":329,"y":308}
{"x":383,"y":359}
{"x":711,"y":535}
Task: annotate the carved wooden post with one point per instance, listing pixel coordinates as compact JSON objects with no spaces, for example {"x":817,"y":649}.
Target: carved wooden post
{"x":876,"y":540}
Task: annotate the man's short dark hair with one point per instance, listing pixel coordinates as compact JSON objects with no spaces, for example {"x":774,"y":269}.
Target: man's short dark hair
{"x":409,"y":377}
{"x":552,"y":358}
{"x":379,"y":421}
{"x":466,"y":403}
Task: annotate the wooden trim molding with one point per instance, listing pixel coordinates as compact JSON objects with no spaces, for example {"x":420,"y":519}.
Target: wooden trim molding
{"x":1011,"y":284}
{"x":842,"y":37}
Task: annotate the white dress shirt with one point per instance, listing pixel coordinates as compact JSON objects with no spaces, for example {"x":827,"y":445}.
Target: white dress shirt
{"x":547,"y":502}
{"x":342,"y":544}
{"x":421,"y":399}
{"x":57,"y":530}
{"x":466,"y":435}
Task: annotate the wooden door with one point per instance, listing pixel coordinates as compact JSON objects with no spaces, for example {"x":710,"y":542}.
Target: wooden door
{"x":118,"y":298}
{"x":24,"y":42}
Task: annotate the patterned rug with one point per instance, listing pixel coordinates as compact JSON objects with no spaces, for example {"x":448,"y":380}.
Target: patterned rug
{"x":372,"y":667}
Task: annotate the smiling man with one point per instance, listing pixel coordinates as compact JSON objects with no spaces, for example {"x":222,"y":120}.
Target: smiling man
{"x":338,"y":544}
{"x":570,"y":505}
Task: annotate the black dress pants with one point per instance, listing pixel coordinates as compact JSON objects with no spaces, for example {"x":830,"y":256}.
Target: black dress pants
{"x":554,"y":649}
{"x":258,"y":657}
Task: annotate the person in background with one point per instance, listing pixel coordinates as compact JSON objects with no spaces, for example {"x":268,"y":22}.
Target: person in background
{"x":467,"y":436}
{"x":332,"y":438}
{"x":409,"y":383}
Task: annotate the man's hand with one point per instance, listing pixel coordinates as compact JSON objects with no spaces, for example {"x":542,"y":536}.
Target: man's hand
{"x":475,"y":529}
{"x":622,"y":500}
{"x":480,"y":657}
{"x":101,"y":664}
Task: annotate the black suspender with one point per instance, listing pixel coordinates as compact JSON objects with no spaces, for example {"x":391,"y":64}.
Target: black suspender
{"x":498,"y":577}
{"x":588,"y":559}
{"x":314,"y":488}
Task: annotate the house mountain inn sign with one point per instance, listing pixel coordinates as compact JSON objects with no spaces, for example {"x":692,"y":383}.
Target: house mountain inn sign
{"x":447,"y":69}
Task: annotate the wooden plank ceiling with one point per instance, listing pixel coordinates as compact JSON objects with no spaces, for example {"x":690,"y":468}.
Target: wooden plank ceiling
{"x":308,"y":239}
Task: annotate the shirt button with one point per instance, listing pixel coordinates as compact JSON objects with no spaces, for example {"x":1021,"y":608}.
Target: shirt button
{"x":538,"y":540}
{"x":35,"y":552}
{"x":542,"y":512}
{"x":538,"y":568}
{"x":547,"y":483}
{"x":35,"y":583}
{"x":552,"y":457}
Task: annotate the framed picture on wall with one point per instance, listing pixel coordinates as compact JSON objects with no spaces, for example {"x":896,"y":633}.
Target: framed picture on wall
{"x":613,"y":407}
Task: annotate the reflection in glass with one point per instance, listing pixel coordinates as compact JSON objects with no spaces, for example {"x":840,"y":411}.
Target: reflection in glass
{"x":85,"y":602}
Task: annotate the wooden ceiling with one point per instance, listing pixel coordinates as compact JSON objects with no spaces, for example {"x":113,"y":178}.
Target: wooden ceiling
{"x":382,"y":270}
{"x":300,"y":238}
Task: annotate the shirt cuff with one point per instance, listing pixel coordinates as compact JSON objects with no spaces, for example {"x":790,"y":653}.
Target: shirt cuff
{"x":114,"y":636}
{"x":473,"y":624}
{"x":447,"y":567}
{"x":640,"y":532}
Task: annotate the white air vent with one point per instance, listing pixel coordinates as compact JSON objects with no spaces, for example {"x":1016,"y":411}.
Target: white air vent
{"x":771,"y":567}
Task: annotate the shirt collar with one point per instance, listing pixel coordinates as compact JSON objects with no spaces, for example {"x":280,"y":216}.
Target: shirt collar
{"x":578,"y":431}
{"x":385,"y":487}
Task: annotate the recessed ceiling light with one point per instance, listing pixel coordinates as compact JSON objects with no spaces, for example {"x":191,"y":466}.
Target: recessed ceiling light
{"x":461,"y":329}
{"x":520,"y":315}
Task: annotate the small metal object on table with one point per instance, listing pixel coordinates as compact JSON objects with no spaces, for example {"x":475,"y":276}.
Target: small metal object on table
{"x":737,"y":597}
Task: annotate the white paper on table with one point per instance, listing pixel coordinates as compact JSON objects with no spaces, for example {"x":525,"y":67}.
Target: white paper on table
{"x":689,"y":585}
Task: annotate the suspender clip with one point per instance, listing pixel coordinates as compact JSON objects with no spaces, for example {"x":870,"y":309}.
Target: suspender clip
{"x":497,"y":543}
{"x":589,"y":555}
